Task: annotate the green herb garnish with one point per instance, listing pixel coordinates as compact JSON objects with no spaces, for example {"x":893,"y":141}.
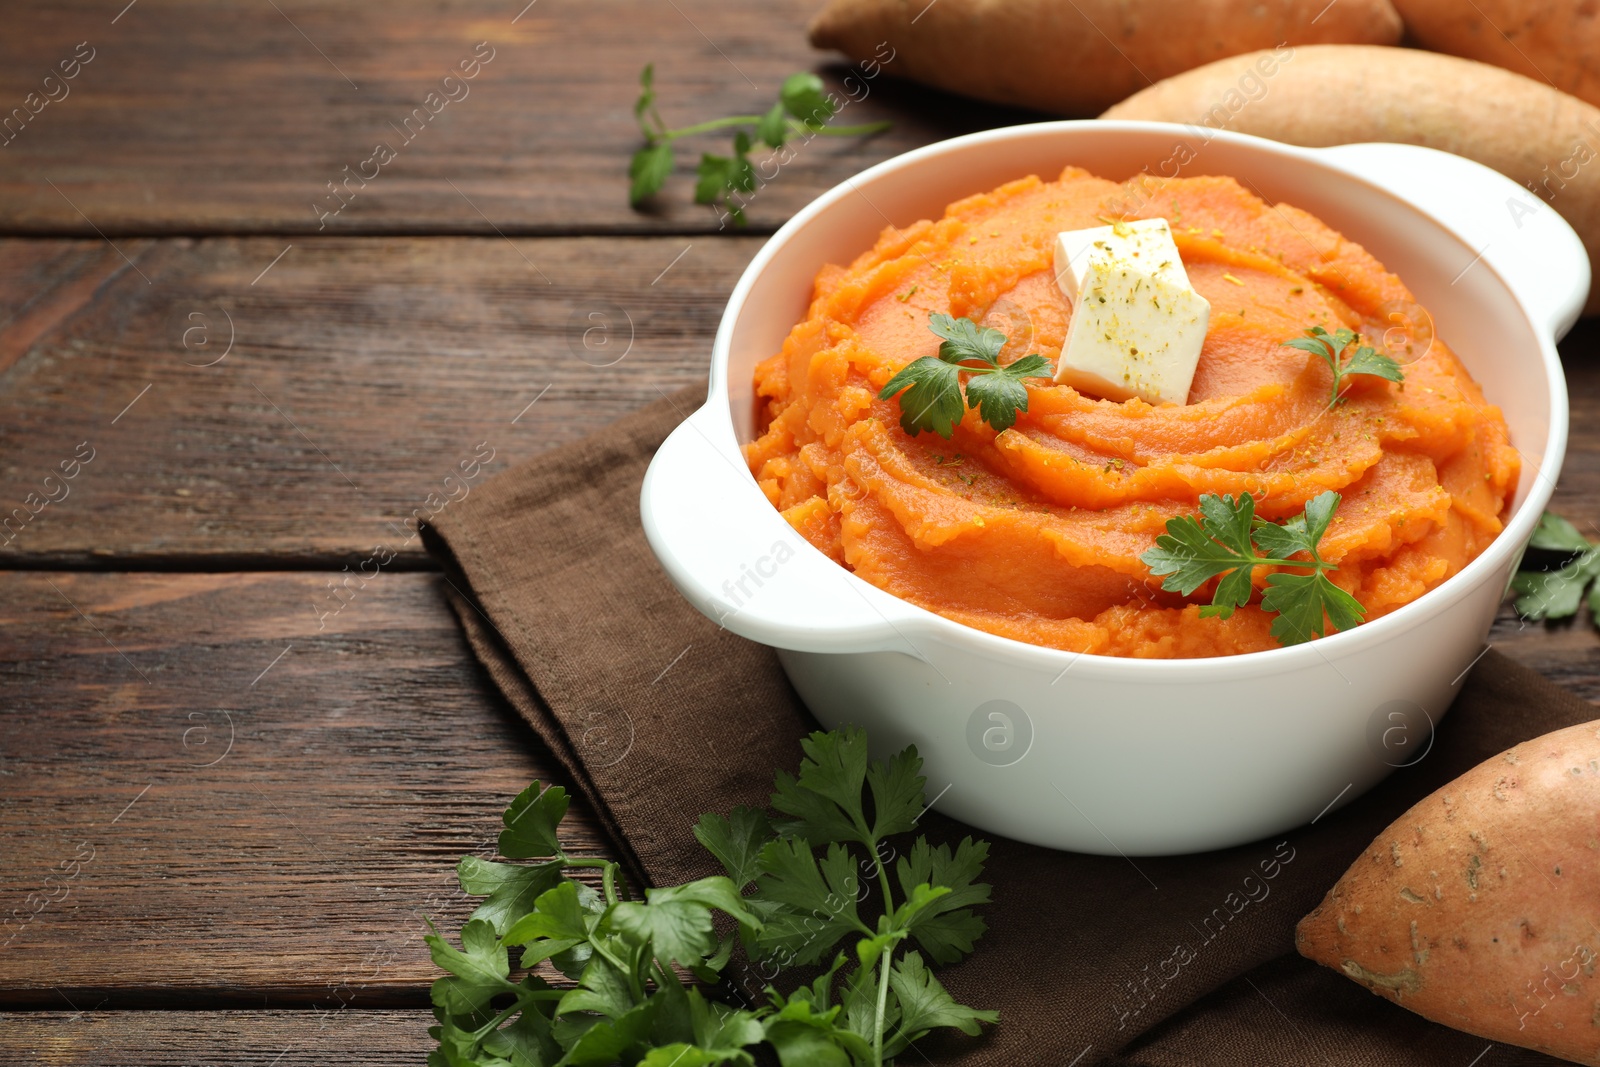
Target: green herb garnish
{"x":1330,"y":347}
{"x":932,"y":384}
{"x":1229,"y":542}
{"x":1556,"y":594}
{"x":803,"y":107}
{"x":785,"y":904}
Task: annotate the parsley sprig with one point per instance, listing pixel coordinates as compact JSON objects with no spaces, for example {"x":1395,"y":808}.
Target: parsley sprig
{"x":1556,"y":594}
{"x":803,"y":107}
{"x":1330,"y":347}
{"x":1229,"y":541}
{"x":784,"y":905}
{"x":932,"y":384}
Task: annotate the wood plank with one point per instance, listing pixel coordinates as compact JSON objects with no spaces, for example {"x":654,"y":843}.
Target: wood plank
{"x":1567,"y":651}
{"x":1578,"y":489}
{"x":355,"y":1037}
{"x":363,"y":372}
{"x":43,"y":283}
{"x":295,"y":864}
{"x":234,"y":117}
{"x":234,"y":800}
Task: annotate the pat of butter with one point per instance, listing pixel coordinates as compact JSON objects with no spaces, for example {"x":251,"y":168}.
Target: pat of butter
{"x":1137,"y":324}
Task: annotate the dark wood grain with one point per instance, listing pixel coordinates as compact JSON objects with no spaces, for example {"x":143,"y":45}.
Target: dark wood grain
{"x":1578,"y":489}
{"x":237,"y":837}
{"x":43,"y":283}
{"x":237,"y":801}
{"x":1566,"y":651}
{"x":241,"y":798}
{"x":363,"y":372}
{"x":202,"y":117}
{"x":90,"y":1038}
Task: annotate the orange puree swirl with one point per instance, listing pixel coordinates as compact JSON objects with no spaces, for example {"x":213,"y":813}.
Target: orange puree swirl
{"x":1036,"y":533}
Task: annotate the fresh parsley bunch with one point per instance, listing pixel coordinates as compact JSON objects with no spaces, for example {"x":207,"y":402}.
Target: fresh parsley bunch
{"x":1556,"y":594}
{"x":803,"y":106}
{"x":932,"y":385}
{"x":1364,"y":360}
{"x":1229,"y":541}
{"x":779,"y":900}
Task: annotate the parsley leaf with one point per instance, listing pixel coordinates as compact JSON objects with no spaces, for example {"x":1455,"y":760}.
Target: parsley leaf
{"x":773,"y":129}
{"x":947,"y":928}
{"x":896,"y":927}
{"x":718,"y":1027}
{"x":603,"y":1042}
{"x":478,"y":969}
{"x":526,"y":1041}
{"x":677,"y":920}
{"x":511,"y":888}
{"x":604,"y":989}
{"x":808,"y":908}
{"x":790,"y":904}
{"x":820,"y":899}
{"x":681,"y":1055}
{"x":1555,"y":534}
{"x":926,"y":1005}
{"x":647,"y":97}
{"x":860,"y":1003}
{"x":558,"y":914}
{"x":1303,"y":601}
{"x":720,"y":175}
{"x":1301,"y":533}
{"x":1194,"y":551}
{"x":932,"y":398}
{"x":558,"y":928}
{"x":1001,"y":395}
{"x":803,"y":96}
{"x":965,"y":339}
{"x":1557,"y":593}
{"x":1330,"y":346}
{"x":803,"y":107}
{"x":1225,"y":542}
{"x":804,"y":1035}
{"x":825,"y":799}
{"x":531,"y":822}
{"x":648,"y":171}
{"x":932,"y":385}
{"x":1368,"y":360}
{"x":458,"y":1046}
{"x":1554,"y":594}
{"x":898,"y":791}
{"x":736,"y":841}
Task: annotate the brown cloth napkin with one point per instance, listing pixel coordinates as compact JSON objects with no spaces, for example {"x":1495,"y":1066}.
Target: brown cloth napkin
{"x":659,"y":715}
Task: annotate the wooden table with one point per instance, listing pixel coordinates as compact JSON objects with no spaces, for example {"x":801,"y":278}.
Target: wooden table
{"x":217,"y":792}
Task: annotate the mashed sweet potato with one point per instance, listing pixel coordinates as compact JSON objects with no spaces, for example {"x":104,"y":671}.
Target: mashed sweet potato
{"x":1036,"y":533}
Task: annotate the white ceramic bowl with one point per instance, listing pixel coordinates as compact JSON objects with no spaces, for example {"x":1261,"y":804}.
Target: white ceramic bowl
{"x":1097,"y":753}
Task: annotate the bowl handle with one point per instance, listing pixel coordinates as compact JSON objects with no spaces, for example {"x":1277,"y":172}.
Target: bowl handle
{"x":736,"y":559}
{"x":1527,"y":243}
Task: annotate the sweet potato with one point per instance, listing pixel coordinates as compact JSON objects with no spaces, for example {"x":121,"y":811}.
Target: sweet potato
{"x":1077,"y":58}
{"x":1480,"y":907}
{"x":1553,"y":41}
{"x":1340,"y":94}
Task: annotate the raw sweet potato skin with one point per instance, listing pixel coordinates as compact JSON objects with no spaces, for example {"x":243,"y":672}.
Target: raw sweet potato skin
{"x":1343,"y":94}
{"x":1077,"y":58}
{"x":1553,"y":40}
{"x":1480,"y":907}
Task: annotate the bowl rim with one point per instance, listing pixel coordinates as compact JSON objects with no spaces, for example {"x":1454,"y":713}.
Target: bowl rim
{"x":1510,"y":542}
